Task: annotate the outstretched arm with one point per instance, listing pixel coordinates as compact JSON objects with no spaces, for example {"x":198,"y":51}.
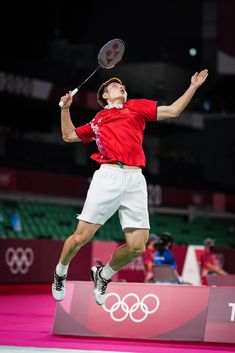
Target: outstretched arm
{"x":175,"y":109}
{"x":216,"y":269}
{"x":67,"y":127}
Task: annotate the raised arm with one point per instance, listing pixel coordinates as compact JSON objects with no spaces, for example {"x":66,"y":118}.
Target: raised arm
{"x":175,"y":109}
{"x":67,"y":127}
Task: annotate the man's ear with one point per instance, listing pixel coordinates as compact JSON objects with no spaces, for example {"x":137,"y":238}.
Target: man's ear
{"x":105,"y":95}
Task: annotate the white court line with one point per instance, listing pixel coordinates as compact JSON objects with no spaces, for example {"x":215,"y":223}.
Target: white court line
{"x":9,"y":349}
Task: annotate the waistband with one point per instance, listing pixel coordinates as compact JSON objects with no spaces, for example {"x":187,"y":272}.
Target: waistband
{"x":118,"y":166}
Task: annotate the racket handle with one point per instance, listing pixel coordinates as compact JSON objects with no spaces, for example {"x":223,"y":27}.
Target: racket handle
{"x":72,"y":94}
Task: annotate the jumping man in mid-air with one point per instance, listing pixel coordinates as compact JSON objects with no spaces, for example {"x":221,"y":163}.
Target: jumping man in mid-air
{"x":118,"y":184}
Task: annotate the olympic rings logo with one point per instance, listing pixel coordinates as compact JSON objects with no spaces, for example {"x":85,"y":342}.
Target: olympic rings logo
{"x":19,"y":260}
{"x":131,"y":310}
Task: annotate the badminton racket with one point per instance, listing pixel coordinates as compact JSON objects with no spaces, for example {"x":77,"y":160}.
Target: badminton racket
{"x":109,"y":55}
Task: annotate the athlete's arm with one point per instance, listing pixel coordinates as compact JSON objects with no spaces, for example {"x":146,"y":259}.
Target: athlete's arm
{"x":216,"y":269}
{"x":67,"y":127}
{"x":175,"y":109}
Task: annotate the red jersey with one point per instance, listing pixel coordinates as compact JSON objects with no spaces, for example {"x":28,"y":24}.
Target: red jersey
{"x":148,"y":256}
{"x":208,"y":258}
{"x":119,"y":132}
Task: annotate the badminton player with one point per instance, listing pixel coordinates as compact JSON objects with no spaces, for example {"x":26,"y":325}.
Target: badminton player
{"x":118,"y":184}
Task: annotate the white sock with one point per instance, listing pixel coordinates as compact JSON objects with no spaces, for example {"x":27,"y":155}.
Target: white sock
{"x":61,"y":270}
{"x":107,"y":272}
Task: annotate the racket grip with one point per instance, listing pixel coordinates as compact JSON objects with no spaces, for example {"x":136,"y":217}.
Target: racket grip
{"x":72,"y":94}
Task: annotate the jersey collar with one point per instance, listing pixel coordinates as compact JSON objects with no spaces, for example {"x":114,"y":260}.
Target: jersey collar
{"x":110,"y":106}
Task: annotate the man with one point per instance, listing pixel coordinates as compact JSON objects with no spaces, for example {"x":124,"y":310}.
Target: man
{"x":119,"y":183}
{"x":209,"y":261}
{"x":148,"y":256}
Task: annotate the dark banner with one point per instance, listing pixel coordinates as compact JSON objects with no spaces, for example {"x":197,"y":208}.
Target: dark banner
{"x":34,"y":261}
{"x":72,"y":186}
{"x":8,"y":179}
{"x":226,"y":28}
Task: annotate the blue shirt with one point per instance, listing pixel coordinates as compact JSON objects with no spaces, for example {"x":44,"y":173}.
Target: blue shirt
{"x":165,"y":258}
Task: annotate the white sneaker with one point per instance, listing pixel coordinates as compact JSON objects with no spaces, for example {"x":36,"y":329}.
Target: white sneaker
{"x":100,"y":284}
{"x":59,"y":287}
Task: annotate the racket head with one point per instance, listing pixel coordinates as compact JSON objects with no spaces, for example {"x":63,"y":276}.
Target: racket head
{"x":111,"y":53}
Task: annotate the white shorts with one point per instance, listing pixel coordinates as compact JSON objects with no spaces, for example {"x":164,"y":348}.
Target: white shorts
{"x":113,"y":189}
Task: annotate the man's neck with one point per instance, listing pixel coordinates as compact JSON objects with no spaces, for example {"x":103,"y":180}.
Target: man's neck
{"x":116,"y":102}
{"x":113,"y":105}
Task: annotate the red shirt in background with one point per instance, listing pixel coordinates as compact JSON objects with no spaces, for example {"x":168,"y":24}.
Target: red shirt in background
{"x":207,"y":258}
{"x":148,"y":256}
{"x":148,"y":259}
{"x":119,"y":132}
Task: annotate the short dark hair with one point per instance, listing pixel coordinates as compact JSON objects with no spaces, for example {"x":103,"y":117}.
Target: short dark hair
{"x":101,"y":101}
{"x":165,"y":238}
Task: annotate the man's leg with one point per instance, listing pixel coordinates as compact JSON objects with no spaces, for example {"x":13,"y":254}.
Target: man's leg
{"x":83,"y":234}
{"x":136,"y":240}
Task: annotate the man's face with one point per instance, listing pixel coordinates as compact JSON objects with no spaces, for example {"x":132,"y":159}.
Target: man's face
{"x":115,"y":91}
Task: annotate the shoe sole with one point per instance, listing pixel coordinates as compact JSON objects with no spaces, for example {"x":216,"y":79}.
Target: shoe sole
{"x":93,"y":273}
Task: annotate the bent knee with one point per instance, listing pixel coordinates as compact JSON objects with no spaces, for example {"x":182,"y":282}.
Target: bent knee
{"x":80,"y":238}
{"x":137,"y":251}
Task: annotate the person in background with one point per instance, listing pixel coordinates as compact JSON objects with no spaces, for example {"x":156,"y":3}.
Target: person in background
{"x":164,"y":255}
{"x":148,"y":256}
{"x":210,"y":262}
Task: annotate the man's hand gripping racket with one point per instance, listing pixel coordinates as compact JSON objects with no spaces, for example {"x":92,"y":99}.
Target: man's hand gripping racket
{"x":109,"y":55}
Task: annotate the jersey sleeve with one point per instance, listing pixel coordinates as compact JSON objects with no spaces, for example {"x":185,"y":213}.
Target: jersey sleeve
{"x":85,"y":133}
{"x":147,"y":108}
